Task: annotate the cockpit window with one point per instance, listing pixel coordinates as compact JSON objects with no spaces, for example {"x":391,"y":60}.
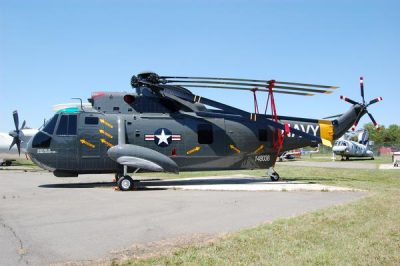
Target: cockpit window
{"x":67,"y":125}
{"x":49,"y":127}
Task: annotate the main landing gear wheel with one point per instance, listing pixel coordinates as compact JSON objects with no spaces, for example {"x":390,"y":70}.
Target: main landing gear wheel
{"x":126,"y":183}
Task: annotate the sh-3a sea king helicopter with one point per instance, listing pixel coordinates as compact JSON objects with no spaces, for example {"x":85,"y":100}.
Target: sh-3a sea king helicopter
{"x":165,"y":127}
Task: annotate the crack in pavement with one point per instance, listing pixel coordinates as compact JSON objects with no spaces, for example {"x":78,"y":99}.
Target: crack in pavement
{"x":21,"y":251}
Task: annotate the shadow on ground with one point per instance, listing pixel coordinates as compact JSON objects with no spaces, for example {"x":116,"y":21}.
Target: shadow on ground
{"x":154,"y":184}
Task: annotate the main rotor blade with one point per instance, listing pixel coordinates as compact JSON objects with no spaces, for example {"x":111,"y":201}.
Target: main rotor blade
{"x":375,"y":100}
{"x":254,"y":80}
{"x":246,"y":89}
{"x":249,"y":86}
{"x":347,"y":100}
{"x":16,"y":120}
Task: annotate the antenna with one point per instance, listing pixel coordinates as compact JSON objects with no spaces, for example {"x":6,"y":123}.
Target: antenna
{"x":81,"y":103}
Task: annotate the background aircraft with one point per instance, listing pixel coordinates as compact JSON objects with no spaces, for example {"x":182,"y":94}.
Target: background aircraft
{"x":12,"y":143}
{"x":348,"y":148}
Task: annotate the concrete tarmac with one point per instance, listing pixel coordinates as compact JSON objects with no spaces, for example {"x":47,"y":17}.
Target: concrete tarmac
{"x":46,"y":220}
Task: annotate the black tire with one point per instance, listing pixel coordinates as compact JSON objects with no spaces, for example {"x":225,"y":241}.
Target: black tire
{"x":274,"y":177}
{"x":8,"y":163}
{"x":125,"y":183}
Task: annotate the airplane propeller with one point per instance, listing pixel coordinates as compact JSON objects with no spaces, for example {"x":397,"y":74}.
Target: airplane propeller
{"x":16,"y":133}
{"x":363,"y":105}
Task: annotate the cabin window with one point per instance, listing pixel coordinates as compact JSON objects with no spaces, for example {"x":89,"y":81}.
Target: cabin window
{"x":49,"y":127}
{"x":205,"y":134}
{"x":90,"y":120}
{"x":263,"y":135}
{"x":67,"y":125}
{"x":116,"y":108}
{"x":41,"y":140}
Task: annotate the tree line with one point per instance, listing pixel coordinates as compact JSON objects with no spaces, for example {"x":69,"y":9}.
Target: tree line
{"x":385,"y":136}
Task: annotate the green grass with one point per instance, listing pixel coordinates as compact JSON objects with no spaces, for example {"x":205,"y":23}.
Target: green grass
{"x":364,"y":232}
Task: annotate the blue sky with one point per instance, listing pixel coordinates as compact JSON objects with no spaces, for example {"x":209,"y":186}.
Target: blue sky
{"x":51,"y":51}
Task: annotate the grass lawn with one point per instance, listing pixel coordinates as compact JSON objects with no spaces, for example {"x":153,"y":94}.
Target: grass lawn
{"x":364,"y":232}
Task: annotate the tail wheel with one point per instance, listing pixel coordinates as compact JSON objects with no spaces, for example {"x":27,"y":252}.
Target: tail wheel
{"x":125,"y":183}
{"x":274,"y":176}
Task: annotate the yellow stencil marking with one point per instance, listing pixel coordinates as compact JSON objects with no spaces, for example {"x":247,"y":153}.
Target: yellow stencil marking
{"x":234,"y":148}
{"x":104,"y":122}
{"x":87,"y":143}
{"x":259,"y":149}
{"x":108,"y":144}
{"x":195,"y":149}
{"x":105,"y":133}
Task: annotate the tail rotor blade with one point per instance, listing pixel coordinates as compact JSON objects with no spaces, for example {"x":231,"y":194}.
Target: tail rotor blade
{"x":353,"y":128}
{"x":362,"y":88}
{"x":373,"y":121}
{"x":347,"y":100}
{"x":16,"y":120}
{"x":375,"y":100}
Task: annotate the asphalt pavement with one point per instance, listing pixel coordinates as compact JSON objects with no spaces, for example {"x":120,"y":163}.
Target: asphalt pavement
{"x":46,"y":220}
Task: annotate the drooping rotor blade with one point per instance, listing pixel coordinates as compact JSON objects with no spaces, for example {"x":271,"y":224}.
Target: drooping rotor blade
{"x":234,"y":110}
{"x":252,"y":80}
{"x":332,"y":116}
{"x":373,"y":120}
{"x":257,"y":89}
{"x":375,"y":100}
{"x":248,"y":86}
{"x":347,"y":100}
{"x":362,"y":89}
{"x":16,"y":120}
{"x":262,"y":118}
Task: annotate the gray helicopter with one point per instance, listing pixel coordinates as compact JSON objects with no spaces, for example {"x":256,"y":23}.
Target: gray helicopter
{"x":165,"y":127}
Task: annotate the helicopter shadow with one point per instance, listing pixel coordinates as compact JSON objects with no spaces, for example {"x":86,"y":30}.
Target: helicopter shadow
{"x":93,"y":185}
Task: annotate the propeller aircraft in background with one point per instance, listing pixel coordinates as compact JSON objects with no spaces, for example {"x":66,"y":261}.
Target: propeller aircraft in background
{"x":13,"y":142}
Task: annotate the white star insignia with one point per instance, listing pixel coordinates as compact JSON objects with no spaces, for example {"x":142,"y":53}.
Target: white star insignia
{"x":163,"y":138}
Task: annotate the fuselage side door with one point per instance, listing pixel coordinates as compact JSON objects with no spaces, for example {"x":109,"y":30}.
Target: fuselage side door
{"x":89,"y":142}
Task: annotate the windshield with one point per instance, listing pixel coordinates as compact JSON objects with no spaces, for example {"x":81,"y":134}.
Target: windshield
{"x":49,"y":127}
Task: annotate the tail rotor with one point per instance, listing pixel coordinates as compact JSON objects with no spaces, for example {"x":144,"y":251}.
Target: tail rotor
{"x":363,"y":105}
